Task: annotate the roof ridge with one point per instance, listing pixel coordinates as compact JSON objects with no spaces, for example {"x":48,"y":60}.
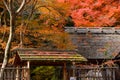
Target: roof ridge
{"x":93,"y":30}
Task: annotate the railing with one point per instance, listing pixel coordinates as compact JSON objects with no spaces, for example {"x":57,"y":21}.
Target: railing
{"x":15,"y":73}
{"x":105,"y":73}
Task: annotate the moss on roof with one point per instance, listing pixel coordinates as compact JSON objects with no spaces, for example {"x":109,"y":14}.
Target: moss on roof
{"x":49,"y":55}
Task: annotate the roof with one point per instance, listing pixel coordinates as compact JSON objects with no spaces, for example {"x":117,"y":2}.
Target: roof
{"x":32,"y":54}
{"x":96,"y":42}
{"x":95,"y":30}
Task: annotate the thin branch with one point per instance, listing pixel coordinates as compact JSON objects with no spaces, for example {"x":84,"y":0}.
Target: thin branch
{"x":23,"y":24}
{"x":11,"y":6}
{"x":21,"y":6}
{"x":31,"y":11}
{"x":5,"y":3}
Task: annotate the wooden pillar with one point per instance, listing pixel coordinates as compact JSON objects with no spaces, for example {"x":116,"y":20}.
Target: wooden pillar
{"x":17,"y":73}
{"x":64,"y":72}
{"x":24,"y":72}
{"x":73,"y":64}
{"x":73,"y":72}
{"x":28,"y":70}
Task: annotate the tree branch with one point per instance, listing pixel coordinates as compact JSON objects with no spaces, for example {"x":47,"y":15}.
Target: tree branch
{"x":5,"y":3}
{"x":21,"y":6}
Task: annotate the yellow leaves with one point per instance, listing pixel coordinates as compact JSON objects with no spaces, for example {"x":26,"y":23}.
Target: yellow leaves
{"x":57,"y":36}
{"x":3,"y":44}
{"x":26,"y":40}
{"x":4,"y":29}
{"x":48,"y":13}
{"x":63,"y":42}
{"x":49,"y":31}
{"x":53,"y":12}
{"x":44,"y":10}
{"x":48,"y":37}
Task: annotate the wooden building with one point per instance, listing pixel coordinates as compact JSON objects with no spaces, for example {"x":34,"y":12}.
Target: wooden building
{"x":25,"y":58}
{"x":95,"y":46}
{"x":98,"y":45}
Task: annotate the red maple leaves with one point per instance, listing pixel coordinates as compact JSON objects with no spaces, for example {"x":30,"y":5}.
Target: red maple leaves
{"x":95,"y":12}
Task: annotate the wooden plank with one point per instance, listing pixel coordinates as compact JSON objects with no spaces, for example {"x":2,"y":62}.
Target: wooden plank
{"x":64,"y":72}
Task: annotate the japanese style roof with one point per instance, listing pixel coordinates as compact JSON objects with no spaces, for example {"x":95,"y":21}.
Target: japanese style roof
{"x":32,"y":54}
{"x":94,"y":30}
{"x":96,"y":42}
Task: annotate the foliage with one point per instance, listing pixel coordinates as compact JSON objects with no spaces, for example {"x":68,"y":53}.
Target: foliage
{"x":38,"y":26}
{"x":94,"y":13}
{"x":46,"y":73}
{"x":45,"y":38}
{"x":52,"y":13}
{"x":40,"y":31}
{"x":10,"y":7}
{"x":43,"y":73}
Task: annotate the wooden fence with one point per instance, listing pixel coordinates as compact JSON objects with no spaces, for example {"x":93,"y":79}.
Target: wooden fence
{"x":15,"y":73}
{"x":105,"y":73}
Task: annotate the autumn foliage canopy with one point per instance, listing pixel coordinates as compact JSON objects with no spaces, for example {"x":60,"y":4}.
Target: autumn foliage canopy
{"x":95,"y":13}
{"x":39,"y":25}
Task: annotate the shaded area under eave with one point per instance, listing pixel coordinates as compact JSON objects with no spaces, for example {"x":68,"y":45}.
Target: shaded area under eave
{"x":38,"y":55}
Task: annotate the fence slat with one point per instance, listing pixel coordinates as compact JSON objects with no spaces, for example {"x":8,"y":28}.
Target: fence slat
{"x":10,"y":73}
{"x":104,"y":73}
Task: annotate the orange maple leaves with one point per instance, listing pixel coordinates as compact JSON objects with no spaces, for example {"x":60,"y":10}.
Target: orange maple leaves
{"x":94,"y":13}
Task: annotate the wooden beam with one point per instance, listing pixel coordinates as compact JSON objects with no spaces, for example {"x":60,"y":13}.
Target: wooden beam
{"x":64,"y":72}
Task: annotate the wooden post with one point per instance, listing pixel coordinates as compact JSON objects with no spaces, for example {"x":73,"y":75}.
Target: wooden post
{"x":17,"y":73}
{"x":24,"y":73}
{"x":73,"y":64}
{"x":28,"y":71}
{"x":73,"y":73}
{"x":64,"y":72}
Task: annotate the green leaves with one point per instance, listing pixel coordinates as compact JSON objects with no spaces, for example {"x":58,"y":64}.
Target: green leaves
{"x":43,"y":73}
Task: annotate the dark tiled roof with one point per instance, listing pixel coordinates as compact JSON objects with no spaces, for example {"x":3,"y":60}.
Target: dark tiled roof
{"x":93,"y":30}
{"x":96,"y":43}
{"x":49,"y":55}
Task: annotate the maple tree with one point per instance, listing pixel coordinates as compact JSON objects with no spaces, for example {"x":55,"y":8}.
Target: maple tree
{"x":53,"y":13}
{"x":44,"y":26}
{"x":95,"y":13}
{"x":37,"y":24}
{"x":44,"y":38}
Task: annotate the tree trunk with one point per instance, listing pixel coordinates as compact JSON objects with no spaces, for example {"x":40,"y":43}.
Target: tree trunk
{"x":9,"y":4}
{"x":8,"y":45}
